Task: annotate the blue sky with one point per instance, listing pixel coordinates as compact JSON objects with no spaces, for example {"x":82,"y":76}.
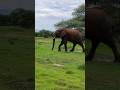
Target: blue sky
{"x":49,"y":12}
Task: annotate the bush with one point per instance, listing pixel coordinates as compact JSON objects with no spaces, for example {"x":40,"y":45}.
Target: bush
{"x":18,"y":17}
{"x":44,"y":33}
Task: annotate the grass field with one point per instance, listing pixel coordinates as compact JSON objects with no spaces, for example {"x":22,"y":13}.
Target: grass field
{"x":102,"y":73}
{"x":58,"y":70}
{"x":16,"y":59}
{"x":53,"y":70}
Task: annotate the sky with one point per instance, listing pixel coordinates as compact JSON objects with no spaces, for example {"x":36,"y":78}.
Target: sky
{"x":50,"y":12}
{"x":12,"y":4}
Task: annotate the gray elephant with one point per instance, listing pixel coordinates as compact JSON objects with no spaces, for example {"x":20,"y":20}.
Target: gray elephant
{"x":72,"y":35}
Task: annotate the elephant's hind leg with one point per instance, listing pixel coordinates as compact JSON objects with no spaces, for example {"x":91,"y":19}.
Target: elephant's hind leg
{"x":112,"y":45}
{"x":83,"y":48}
{"x":59,"y":48}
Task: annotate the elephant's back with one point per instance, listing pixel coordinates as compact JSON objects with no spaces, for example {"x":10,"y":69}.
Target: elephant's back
{"x":97,"y":23}
{"x":74,"y":35}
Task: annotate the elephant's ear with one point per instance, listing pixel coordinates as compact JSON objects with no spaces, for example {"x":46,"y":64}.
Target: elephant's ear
{"x":63,"y":34}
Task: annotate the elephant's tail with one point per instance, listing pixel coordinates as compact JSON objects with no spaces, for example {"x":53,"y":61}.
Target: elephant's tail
{"x":53,"y":43}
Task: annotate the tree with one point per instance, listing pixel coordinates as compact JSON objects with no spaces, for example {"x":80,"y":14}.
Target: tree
{"x":43,"y":33}
{"x":79,"y":12}
{"x":78,"y":20}
{"x":23,"y":18}
{"x":4,"y":20}
{"x":18,"y":17}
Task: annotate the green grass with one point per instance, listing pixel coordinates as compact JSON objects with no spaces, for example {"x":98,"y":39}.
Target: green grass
{"x":16,"y":52}
{"x":102,"y":73}
{"x":16,"y":57}
{"x":58,"y":70}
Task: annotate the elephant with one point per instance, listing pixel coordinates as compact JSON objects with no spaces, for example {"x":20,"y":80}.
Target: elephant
{"x":67,"y":34}
{"x":99,"y":29}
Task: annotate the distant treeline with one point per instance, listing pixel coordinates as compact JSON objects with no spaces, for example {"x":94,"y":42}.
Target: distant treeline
{"x":18,"y":17}
{"x":44,"y":33}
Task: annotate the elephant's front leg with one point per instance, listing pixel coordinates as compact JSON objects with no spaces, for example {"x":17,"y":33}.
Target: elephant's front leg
{"x":59,"y":48}
{"x":91,"y":53}
{"x":65,"y":43}
{"x":73,"y":47}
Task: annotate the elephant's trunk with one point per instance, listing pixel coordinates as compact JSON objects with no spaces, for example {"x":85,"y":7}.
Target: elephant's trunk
{"x":53,"y":35}
{"x":53,"y":43}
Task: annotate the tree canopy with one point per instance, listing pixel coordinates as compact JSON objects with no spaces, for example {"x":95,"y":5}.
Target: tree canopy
{"x":18,"y":17}
{"x":44,"y":33}
{"x":77,"y":21}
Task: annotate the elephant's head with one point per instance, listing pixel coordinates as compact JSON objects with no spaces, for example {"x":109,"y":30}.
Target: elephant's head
{"x":57,"y":34}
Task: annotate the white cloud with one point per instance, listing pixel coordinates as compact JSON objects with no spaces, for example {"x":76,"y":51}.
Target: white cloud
{"x":55,"y":9}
